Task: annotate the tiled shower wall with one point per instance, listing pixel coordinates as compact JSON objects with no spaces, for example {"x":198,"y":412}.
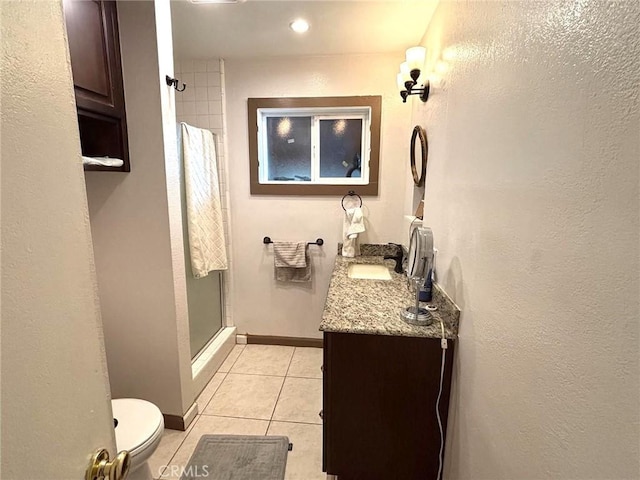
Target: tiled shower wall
{"x":202,"y":105}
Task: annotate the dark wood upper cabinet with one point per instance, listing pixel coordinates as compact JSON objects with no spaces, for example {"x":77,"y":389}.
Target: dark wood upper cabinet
{"x":94,"y":47}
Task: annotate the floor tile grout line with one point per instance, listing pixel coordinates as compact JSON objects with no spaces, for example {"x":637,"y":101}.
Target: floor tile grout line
{"x":197,"y":419}
{"x":193,"y":424}
{"x":269,"y":421}
{"x":281,"y":387}
{"x":261,"y":345}
{"x":214,"y":392}
{"x":297,"y":423}
{"x":258,"y":419}
{"x":290,"y":361}
{"x":300,"y":376}
{"x":237,"y":358}
{"x":257,"y":374}
{"x":236,"y":417}
{"x":200,"y":414}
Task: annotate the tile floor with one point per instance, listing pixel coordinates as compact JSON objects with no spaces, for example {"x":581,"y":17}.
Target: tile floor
{"x":258,"y":390}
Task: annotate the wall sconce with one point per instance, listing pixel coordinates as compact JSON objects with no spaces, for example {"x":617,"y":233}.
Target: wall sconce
{"x":410,"y":73}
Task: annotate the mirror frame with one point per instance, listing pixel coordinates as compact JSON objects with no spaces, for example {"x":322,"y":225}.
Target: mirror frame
{"x":418,"y":131}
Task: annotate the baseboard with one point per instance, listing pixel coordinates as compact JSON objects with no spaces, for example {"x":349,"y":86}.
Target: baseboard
{"x":288,"y":341}
{"x":191,"y":415}
{"x":205,"y":365}
{"x":176,"y":422}
{"x":241,"y":339}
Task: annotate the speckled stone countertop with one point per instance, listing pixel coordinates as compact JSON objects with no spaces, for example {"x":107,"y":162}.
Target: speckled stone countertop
{"x":373,"y":306}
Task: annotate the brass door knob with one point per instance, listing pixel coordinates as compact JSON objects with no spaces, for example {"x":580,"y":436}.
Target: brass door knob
{"x":100,"y":467}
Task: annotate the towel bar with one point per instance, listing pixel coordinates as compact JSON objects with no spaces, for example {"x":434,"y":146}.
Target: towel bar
{"x":319,"y":241}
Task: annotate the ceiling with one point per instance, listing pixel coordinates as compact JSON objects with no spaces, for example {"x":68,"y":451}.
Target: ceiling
{"x":260,"y":28}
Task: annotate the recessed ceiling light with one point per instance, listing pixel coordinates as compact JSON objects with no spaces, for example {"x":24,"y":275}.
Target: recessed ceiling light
{"x":299,"y":25}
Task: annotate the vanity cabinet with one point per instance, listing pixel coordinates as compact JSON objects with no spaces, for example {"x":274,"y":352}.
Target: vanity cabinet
{"x":379,"y":405}
{"x":94,"y":48}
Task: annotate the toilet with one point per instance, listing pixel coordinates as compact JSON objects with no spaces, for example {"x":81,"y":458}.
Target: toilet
{"x":138,"y":425}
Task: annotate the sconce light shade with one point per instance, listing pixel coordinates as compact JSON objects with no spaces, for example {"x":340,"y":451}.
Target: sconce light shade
{"x":405,"y":71}
{"x":410,"y":73}
{"x":415,"y":57}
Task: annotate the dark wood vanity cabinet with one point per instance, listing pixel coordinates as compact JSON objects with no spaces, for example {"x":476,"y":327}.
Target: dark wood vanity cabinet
{"x":379,"y":406}
{"x":94,"y":48}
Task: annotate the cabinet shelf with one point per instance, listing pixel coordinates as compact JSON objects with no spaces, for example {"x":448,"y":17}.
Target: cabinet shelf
{"x":100,"y":168}
{"x":94,"y":48}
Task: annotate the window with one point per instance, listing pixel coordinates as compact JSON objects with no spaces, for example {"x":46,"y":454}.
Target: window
{"x":314,"y":146}
{"x":325,"y":146}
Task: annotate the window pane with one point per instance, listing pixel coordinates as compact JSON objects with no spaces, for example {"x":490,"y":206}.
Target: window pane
{"x":340,"y":148}
{"x":289,"y":148}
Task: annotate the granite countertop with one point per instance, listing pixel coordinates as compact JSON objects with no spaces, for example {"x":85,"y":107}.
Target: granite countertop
{"x":373,"y":306}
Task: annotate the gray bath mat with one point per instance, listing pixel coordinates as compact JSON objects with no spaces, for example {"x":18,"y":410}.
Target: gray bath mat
{"x":238,"y":457}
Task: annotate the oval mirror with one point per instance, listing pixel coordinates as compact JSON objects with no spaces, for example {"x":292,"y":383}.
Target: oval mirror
{"x":419,"y":167}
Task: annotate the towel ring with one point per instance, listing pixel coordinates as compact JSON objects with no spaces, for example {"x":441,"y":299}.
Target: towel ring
{"x":350,"y":194}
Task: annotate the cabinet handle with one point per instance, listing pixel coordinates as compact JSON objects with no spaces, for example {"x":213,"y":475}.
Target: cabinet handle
{"x":321,"y":414}
{"x":322,"y":368}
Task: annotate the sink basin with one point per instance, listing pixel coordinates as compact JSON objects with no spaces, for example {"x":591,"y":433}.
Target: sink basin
{"x":369,"y":272}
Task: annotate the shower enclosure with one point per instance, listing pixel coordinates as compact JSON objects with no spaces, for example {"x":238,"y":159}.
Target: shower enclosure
{"x":204,"y":295}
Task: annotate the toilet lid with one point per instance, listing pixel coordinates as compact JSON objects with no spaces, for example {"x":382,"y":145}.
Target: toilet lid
{"x":138,"y":422}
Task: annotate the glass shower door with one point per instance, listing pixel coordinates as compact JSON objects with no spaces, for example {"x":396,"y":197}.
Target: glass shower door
{"x":204,"y":298}
{"x":204,"y":295}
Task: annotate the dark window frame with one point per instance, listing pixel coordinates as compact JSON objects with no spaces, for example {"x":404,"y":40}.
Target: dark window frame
{"x":370,"y":189}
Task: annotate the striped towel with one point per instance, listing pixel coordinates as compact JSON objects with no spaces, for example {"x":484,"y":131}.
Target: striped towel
{"x":291,"y":262}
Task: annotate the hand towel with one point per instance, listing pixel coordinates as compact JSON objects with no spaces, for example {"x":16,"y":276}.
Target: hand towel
{"x":290,"y":254}
{"x":352,"y":225}
{"x":291,"y":262}
{"x":204,"y":211}
{"x":102,"y":161}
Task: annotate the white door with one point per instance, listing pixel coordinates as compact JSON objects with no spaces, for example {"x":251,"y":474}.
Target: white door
{"x":54,"y":387}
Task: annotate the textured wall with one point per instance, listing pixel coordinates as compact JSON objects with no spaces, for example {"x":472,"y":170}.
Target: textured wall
{"x":532,"y":195}
{"x":55,"y":397}
{"x":260,"y":306}
{"x":136,"y":225}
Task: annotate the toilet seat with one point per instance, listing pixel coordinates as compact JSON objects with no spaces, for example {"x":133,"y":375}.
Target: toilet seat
{"x":140,"y":425}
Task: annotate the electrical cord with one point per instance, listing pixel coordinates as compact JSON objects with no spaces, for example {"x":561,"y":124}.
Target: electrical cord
{"x":443,"y":344}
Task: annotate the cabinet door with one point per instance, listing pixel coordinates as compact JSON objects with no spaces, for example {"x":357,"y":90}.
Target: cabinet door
{"x":379,"y":406}
{"x":92,"y":29}
{"x":94,"y":48}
